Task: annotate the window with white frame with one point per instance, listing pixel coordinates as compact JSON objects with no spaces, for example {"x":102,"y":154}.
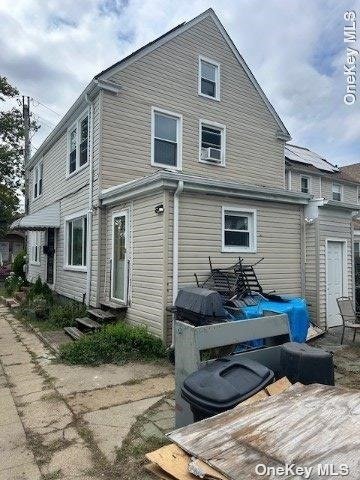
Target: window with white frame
{"x":305,"y":184}
{"x":358,"y":195}
{"x":239,"y":230}
{"x":212,"y":142}
{"x":78,"y":144}
{"x":76,"y":244}
{"x":336,"y":191}
{"x":209,"y":78}
{"x":38,"y":180}
{"x":166,"y":139}
{"x":35,"y":245}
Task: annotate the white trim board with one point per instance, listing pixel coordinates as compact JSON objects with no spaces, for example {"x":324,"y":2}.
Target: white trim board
{"x":121,"y":213}
{"x":345,"y":281}
{"x":283,"y":134}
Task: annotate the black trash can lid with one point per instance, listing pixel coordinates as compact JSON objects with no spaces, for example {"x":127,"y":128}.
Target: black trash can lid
{"x":224,"y":383}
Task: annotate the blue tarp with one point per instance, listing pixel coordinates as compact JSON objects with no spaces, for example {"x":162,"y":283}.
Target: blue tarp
{"x":295,"y":308}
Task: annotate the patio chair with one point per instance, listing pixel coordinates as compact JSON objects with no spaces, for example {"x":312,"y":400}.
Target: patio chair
{"x":350,"y":318}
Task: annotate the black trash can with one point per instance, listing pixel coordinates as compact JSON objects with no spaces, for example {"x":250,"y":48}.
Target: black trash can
{"x":223,"y":384}
{"x":305,"y":364}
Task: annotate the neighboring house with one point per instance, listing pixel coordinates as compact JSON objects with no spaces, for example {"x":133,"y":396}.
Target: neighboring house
{"x":10,"y":245}
{"x":172,"y":155}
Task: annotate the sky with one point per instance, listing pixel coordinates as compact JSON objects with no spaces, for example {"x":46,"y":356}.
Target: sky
{"x":50,"y":49}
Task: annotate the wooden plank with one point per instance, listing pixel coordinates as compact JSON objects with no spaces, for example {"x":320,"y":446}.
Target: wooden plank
{"x":174,"y":461}
{"x":278,"y":387}
{"x":157,"y":471}
{"x":255,"y":398}
{"x":306,"y":425}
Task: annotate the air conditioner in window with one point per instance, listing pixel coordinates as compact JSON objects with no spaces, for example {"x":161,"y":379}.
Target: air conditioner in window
{"x":211,"y":154}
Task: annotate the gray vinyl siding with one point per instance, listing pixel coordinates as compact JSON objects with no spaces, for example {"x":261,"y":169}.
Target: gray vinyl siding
{"x":168,"y":78}
{"x":315,"y":188}
{"x":146,"y":289}
{"x":349,"y":191}
{"x":333,"y":225}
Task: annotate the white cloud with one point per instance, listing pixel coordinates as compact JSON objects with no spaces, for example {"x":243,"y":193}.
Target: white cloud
{"x":51,"y":50}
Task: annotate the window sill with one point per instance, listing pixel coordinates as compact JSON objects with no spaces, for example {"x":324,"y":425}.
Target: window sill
{"x":35,"y":264}
{"x":164,"y":167}
{"x":238,"y":250}
{"x":212,"y":163}
{"x":72,"y":174}
{"x":73,"y":268}
{"x":216,"y":99}
{"x":34,"y":199}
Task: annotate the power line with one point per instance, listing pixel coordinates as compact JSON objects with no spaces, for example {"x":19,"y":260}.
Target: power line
{"x":45,"y":106}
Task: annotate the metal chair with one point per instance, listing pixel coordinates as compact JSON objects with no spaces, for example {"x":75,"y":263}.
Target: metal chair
{"x":350,"y":317}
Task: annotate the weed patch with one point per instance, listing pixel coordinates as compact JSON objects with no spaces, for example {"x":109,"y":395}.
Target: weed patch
{"x":113,"y":344}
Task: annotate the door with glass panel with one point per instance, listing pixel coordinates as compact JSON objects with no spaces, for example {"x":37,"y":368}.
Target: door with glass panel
{"x":119,"y":270}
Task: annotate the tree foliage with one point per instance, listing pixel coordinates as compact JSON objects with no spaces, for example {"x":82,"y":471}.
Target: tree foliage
{"x":11,"y":153}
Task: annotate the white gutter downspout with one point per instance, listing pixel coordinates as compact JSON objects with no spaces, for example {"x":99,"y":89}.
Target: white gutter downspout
{"x":175,"y":279}
{"x":90,"y":211}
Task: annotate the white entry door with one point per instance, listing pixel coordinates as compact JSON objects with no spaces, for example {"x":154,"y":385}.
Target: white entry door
{"x":120,"y":271}
{"x":335,"y":281}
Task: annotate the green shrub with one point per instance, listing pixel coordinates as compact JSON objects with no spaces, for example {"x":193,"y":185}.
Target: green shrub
{"x":113,"y":344}
{"x":13,"y":283}
{"x":18,"y":264}
{"x":43,"y":289}
{"x":64,"y":315}
{"x":40,"y":306}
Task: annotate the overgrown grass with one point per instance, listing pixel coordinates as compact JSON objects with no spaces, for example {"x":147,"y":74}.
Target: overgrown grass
{"x":113,"y":344}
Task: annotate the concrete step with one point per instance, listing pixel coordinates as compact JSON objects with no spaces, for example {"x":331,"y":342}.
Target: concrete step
{"x":10,"y":301}
{"x":73,"y":332}
{"x":15,"y":305}
{"x":101,"y":315}
{"x":87,"y":323}
{"x":113,"y":306}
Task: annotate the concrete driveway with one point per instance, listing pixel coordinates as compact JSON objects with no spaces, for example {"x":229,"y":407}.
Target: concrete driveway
{"x":69,"y":422}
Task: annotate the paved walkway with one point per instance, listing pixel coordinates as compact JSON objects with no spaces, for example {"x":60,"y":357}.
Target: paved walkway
{"x":63,"y":422}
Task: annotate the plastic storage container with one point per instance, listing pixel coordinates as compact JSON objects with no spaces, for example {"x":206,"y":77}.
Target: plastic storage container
{"x":222,"y":384}
{"x":305,"y":364}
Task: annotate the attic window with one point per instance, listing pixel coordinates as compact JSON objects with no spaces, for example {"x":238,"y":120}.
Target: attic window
{"x":305,"y":184}
{"x":209,"y":78}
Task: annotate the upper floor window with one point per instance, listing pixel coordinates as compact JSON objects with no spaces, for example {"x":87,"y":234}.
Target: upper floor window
{"x":76,"y":242}
{"x":305,"y":184}
{"x":212,"y":142}
{"x":166,"y":131}
{"x":35,"y":243}
{"x":78,"y":143}
{"x":239,"y":230}
{"x":358,"y":195}
{"x":209,"y":78}
{"x":38,"y":180}
{"x":336,"y":191}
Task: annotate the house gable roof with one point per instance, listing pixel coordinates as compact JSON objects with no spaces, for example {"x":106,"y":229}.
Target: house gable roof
{"x":158,"y":42}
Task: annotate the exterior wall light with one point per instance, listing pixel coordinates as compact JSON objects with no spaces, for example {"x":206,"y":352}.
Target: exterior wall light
{"x":159,"y":209}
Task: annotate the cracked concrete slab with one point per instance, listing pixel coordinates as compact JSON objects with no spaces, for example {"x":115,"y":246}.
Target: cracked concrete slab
{"x":112,"y":425}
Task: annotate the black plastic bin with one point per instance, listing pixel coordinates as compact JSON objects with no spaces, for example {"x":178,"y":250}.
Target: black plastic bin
{"x":305,"y":364}
{"x":222,"y":384}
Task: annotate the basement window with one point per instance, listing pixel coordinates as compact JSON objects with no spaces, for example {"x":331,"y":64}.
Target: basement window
{"x":239,"y":230}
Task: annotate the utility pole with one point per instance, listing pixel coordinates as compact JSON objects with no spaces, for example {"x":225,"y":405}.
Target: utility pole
{"x":26,"y":119}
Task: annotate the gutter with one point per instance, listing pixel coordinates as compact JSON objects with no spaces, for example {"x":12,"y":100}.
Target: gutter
{"x":91,"y":189}
{"x":175,"y":279}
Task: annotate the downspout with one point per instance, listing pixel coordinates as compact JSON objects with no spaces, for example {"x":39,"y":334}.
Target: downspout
{"x":175,"y":279}
{"x":90,"y":211}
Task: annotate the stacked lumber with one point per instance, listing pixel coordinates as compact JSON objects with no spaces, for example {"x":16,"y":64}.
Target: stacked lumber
{"x":173,"y":463}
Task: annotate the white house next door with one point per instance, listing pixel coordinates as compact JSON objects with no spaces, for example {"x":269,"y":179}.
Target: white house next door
{"x":335,"y":281}
{"x":119,"y":271}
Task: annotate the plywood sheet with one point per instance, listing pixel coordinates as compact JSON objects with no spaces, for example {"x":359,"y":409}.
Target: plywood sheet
{"x":305,"y":425}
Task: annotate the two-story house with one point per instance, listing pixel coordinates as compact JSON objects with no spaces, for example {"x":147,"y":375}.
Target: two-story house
{"x":169,"y":156}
